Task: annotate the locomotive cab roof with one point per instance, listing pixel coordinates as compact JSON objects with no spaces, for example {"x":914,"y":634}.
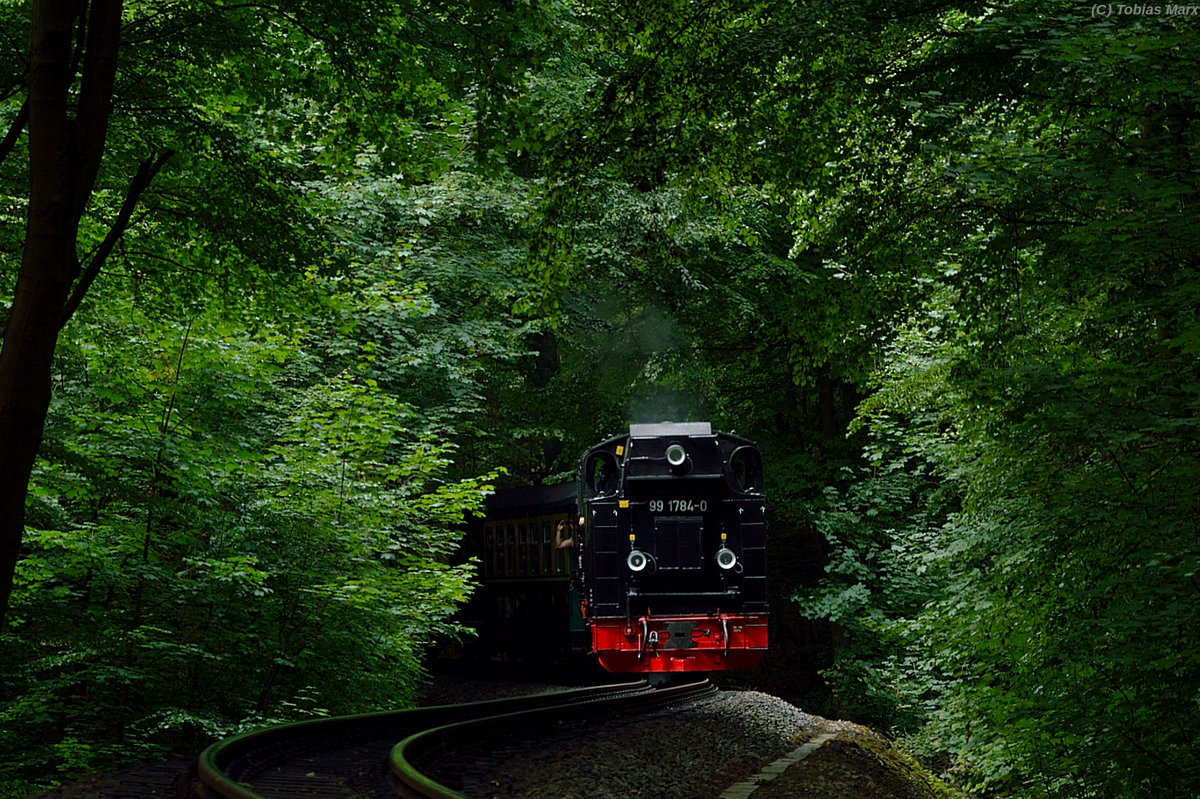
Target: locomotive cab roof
{"x":660,"y":429}
{"x":671,"y":451}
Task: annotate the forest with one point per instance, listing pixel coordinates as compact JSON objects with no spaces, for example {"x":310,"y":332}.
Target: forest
{"x":288,"y":287}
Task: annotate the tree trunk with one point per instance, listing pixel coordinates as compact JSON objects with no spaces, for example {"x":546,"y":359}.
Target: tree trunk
{"x":64,"y":158}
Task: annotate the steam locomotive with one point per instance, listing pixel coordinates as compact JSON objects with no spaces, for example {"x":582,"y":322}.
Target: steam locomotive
{"x":654,"y":559}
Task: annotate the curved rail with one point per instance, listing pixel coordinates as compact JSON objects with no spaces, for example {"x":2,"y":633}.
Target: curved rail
{"x":235,"y":768}
{"x":405,"y":756}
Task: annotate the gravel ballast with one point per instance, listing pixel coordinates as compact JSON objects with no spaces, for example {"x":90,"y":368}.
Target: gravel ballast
{"x":701,"y":751}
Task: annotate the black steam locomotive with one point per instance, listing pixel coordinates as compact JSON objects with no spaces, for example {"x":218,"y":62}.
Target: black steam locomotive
{"x":674,"y":566}
{"x":654,"y":559}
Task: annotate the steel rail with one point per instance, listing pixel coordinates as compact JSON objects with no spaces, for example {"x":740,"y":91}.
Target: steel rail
{"x":222,"y":778}
{"x":413,"y":784}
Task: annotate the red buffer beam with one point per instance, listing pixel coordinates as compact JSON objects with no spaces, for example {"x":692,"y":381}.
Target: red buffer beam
{"x":652,"y":644}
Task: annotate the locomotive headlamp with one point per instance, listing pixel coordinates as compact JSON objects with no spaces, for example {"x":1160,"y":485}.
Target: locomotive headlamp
{"x":726,"y":558}
{"x":637,"y":561}
{"x":676,"y":456}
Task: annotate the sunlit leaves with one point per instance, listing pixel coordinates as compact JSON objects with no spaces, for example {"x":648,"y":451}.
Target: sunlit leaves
{"x":997,"y":204}
{"x":1037,"y":376}
{"x":211,"y":497}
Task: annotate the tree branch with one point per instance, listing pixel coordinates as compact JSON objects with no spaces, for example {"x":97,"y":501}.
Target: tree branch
{"x":95,"y":93}
{"x":18,"y":84}
{"x":14,"y":131}
{"x":145,"y":174}
{"x":311,"y":32}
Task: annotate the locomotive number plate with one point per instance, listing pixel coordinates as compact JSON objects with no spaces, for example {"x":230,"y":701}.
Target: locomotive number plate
{"x":678,"y":505}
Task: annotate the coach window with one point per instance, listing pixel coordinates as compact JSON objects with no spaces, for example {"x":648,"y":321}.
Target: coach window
{"x":563,"y":541}
{"x":527,"y":566}
{"x":547,"y":548}
{"x":535,"y":546}
{"x":489,"y":551}
{"x":531,"y":548}
{"x":501,"y":561}
{"x":510,"y":552}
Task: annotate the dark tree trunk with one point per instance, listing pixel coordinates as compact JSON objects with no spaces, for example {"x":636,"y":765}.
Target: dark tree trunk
{"x":64,"y":158}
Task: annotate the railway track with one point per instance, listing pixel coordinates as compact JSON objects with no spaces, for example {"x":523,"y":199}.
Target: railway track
{"x":385,"y":754}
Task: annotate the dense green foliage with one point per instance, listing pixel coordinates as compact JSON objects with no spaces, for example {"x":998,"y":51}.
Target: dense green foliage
{"x":250,"y":489}
{"x":215,"y":502}
{"x":940,"y":261}
{"x":1050,"y":373}
{"x":219,"y":495}
{"x":990,"y":224}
